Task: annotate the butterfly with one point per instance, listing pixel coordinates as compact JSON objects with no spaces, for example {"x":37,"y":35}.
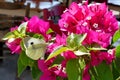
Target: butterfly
{"x":35,"y":48}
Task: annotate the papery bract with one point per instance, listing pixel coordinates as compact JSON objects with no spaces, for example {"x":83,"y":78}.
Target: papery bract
{"x":36,"y":25}
{"x":102,"y":39}
{"x":61,"y":69}
{"x":59,"y":40}
{"x":14,"y":28}
{"x":97,"y":57}
{"x":47,"y":73}
{"x":109,"y":56}
{"x":102,"y":20}
{"x":79,"y":11}
{"x":69,"y":55}
{"x":70,"y":22}
{"x":72,"y":17}
{"x":96,"y":17}
{"x":97,"y":8}
{"x":86,"y":75}
{"x":14,"y":45}
{"x":53,"y":72}
{"x":91,"y":37}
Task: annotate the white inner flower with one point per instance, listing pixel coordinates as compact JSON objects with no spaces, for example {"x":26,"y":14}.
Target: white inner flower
{"x":65,"y":25}
{"x":98,"y":30}
{"x":59,"y":67}
{"x":89,"y":18}
{"x":95,"y":25}
{"x":64,"y":70}
{"x":110,"y":51}
{"x":85,"y":24}
{"x":65,"y":10}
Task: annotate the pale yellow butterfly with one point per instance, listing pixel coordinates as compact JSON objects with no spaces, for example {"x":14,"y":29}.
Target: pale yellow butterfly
{"x":35,"y":48}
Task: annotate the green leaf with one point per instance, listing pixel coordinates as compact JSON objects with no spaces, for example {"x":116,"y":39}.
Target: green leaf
{"x":80,"y":53}
{"x":8,"y":36}
{"x":118,"y":51}
{"x":93,"y":74}
{"x":83,"y":49}
{"x":57,"y":51}
{"x":26,"y":60}
{"x":54,"y":65}
{"x":22,"y":45}
{"x":75,"y":40}
{"x":58,"y":59}
{"x":116,"y":36}
{"x":49,"y":31}
{"x":16,"y":33}
{"x":73,"y":71}
{"x":22,"y":28}
{"x":100,"y":48}
{"x":21,"y":67}
{"x":95,"y":46}
{"x":115,"y":71}
{"x":79,"y":38}
{"x":37,"y":36}
{"x":81,"y":64}
{"x":104,"y":71}
{"x":70,"y":41}
{"x":117,"y":64}
{"x":35,"y":72}
{"x":60,"y":78}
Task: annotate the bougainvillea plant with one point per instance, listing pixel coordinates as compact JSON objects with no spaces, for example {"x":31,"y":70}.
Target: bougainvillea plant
{"x":84,"y":45}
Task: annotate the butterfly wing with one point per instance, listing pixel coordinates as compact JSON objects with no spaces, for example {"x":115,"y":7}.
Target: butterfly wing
{"x":35,"y":50}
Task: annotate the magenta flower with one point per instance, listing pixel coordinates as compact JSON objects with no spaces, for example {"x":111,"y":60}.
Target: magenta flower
{"x":97,"y":57}
{"x":68,"y":22}
{"x":73,"y":18}
{"x":36,"y":25}
{"x":79,"y":12}
{"x":98,"y":23}
{"x":97,"y":8}
{"x":14,"y":28}
{"x":48,"y":74}
{"x":109,"y":56}
{"x":55,"y":28}
{"x":92,"y":37}
{"x":61,"y":69}
{"x":59,"y":40}
{"x":110,"y":23}
{"x":81,"y":18}
{"x":86,"y":75}
{"x":103,"y":39}
{"x":14,"y":45}
{"x":53,"y":72}
{"x":102,"y":20}
{"x":69,"y":55}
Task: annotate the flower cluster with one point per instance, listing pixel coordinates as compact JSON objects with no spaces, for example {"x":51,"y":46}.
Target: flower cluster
{"x":94,"y":19}
{"x":75,"y":49}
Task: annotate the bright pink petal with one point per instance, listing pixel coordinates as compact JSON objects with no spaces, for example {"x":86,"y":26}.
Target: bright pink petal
{"x":14,"y":46}
{"x":86,"y":75}
{"x":36,"y":25}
